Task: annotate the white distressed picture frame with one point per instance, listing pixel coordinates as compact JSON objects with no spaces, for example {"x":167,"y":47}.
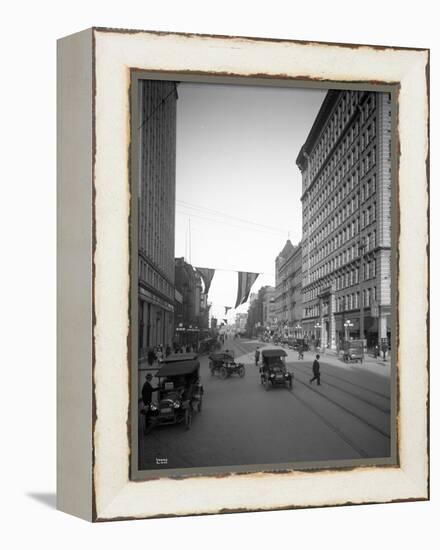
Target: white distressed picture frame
{"x":94,"y":273}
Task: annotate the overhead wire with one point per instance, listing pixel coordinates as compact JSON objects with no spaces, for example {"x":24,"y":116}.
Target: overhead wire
{"x":192,"y":206}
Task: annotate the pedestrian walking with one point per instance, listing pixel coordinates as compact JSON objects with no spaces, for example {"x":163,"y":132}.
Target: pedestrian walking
{"x":147,"y":396}
{"x":159,"y":354}
{"x":300,"y":352}
{"x":316,"y":373}
{"x":151,"y":358}
{"x":257,"y":356}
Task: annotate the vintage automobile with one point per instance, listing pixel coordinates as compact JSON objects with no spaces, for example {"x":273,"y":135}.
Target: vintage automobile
{"x":273,"y":371}
{"x":353,"y":351}
{"x":180,"y":357}
{"x":225,"y":365}
{"x":298,"y":343}
{"x":179,"y":393}
{"x":208,"y":345}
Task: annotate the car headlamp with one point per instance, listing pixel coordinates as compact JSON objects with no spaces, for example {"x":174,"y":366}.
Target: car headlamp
{"x":176,"y":404}
{"x":153,"y":407}
{"x":272,"y":376}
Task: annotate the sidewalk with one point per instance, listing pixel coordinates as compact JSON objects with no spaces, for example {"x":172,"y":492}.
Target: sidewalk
{"x":331,"y":357}
{"x":368,"y":358}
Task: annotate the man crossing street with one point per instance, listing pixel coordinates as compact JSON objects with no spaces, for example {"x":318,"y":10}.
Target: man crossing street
{"x":257,"y":356}
{"x":316,"y":373}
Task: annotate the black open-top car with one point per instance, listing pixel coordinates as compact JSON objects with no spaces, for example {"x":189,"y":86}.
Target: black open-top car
{"x":179,"y":393}
{"x":273,"y":371}
{"x":224,"y":364}
{"x":353,"y":351}
{"x":180,"y":357}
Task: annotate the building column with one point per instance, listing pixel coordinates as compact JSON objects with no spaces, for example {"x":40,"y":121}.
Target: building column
{"x":323,"y":336}
{"x":331,"y":317}
{"x":382,"y":327}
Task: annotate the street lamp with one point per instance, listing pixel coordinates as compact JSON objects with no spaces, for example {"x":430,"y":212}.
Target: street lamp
{"x":347,"y":325}
{"x":318,"y":327}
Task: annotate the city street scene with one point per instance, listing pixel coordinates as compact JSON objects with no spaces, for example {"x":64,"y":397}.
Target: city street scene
{"x":264,"y":276}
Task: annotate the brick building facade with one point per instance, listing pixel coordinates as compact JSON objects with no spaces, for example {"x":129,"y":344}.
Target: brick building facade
{"x":346,"y":203}
{"x":156,"y":208}
{"x":288,"y":283}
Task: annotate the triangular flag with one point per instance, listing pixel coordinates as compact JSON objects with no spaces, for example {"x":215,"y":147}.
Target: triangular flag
{"x":245,"y":282}
{"x":207,"y":274}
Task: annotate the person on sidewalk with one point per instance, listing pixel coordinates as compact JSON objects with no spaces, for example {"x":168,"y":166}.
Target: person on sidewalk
{"x":147,"y":396}
{"x":257,"y":356}
{"x":316,"y":373}
{"x":151,"y":358}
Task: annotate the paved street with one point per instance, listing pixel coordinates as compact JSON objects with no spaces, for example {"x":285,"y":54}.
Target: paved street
{"x":347,"y":417}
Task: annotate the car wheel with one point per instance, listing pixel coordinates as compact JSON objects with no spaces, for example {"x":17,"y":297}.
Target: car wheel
{"x":188,"y":419}
{"x":223,"y":373}
{"x":241,"y":372}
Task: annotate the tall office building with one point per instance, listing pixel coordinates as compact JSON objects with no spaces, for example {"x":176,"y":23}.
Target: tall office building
{"x":346,"y":203}
{"x":288,"y":284}
{"x":156,"y":208}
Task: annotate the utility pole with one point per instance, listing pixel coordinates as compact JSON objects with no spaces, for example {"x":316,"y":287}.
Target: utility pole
{"x":361,"y":288}
{"x":189,"y":230}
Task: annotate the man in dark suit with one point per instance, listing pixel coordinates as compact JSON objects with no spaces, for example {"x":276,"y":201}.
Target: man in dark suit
{"x":257,"y":356}
{"x":147,"y":396}
{"x":147,"y":390}
{"x":316,"y":373}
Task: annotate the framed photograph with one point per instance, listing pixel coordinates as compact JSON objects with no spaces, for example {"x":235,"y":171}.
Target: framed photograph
{"x":243,"y":274}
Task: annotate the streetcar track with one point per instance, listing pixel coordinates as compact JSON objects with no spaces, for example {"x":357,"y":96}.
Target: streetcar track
{"x":342,"y":407}
{"x":374,"y":392}
{"x":345,"y":409}
{"x":347,"y":440}
{"x":361,"y":452}
{"x":355,"y":395}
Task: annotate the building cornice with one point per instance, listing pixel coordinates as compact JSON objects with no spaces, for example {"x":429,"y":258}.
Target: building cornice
{"x":323,"y":114}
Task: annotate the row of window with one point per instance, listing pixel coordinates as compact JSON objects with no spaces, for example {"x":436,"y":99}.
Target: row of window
{"x":344,"y":303}
{"x":367,"y":215}
{"x":352,"y":301}
{"x":148,"y":275}
{"x":347,"y":255}
{"x":350,"y":231}
{"x":345,"y":280}
{"x":343,"y":111}
{"x":317,"y":217}
{"x":326,"y":184}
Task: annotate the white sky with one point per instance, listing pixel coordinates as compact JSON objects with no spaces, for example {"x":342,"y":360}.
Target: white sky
{"x":236,"y":152}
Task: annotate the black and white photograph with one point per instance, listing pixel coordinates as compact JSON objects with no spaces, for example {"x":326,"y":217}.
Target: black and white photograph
{"x":265,"y":279}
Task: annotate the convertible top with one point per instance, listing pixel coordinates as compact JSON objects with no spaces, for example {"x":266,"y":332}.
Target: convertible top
{"x":178,"y":369}
{"x":179,"y":357}
{"x":274,"y":352}
{"x":221,"y":356}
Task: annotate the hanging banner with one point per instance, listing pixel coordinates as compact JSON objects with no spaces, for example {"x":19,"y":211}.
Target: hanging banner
{"x":207,"y":274}
{"x":245,"y":282}
{"x":227,"y":308}
{"x":225,"y":321}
